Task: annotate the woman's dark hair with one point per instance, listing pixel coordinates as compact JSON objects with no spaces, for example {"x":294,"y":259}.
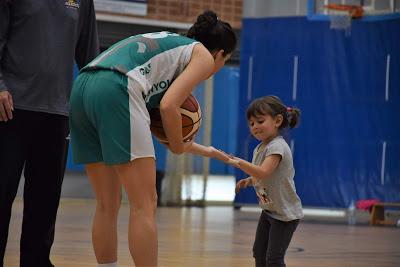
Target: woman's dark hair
{"x":213,"y":33}
{"x":273,"y":106}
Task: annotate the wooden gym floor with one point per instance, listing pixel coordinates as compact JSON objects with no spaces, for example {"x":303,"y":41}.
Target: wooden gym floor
{"x":214,"y":237}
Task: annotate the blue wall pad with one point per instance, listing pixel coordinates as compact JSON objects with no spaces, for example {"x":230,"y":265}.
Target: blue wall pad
{"x":347,"y":146}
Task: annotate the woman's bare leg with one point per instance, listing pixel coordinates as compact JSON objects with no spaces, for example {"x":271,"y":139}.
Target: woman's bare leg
{"x":107,"y":187}
{"x":139,"y":180}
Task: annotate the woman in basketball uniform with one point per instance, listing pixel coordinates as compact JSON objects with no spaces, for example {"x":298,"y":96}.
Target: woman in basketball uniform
{"x":110,"y":130}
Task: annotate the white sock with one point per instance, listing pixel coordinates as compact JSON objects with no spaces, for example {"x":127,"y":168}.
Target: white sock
{"x":114,"y":264}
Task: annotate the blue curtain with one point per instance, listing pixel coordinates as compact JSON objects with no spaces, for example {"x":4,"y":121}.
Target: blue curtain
{"x":347,"y":146}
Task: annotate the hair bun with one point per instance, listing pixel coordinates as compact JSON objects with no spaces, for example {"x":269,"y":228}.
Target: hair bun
{"x":213,"y":33}
{"x":208,"y":17}
{"x":205,"y":23}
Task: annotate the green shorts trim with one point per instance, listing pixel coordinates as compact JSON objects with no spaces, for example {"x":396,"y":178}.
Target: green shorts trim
{"x":109,"y":121}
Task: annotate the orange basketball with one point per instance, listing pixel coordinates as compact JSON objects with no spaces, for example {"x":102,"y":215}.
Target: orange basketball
{"x":191,"y":119}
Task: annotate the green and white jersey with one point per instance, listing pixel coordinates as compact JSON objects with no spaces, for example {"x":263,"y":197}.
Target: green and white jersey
{"x":150,"y":61}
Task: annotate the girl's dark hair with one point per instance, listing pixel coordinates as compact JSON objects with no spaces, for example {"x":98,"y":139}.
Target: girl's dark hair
{"x":273,"y":106}
{"x":213,"y":33}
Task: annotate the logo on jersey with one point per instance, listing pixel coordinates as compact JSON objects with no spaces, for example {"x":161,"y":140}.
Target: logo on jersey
{"x":146,"y":44}
{"x":156,"y":89}
{"x":145,"y":69}
{"x":72,"y":3}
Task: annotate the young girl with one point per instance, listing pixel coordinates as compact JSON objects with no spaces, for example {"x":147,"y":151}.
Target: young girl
{"x":110,"y":123}
{"x":271,"y":173}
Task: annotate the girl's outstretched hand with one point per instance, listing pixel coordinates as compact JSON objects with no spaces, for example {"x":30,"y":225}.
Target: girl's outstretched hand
{"x":243,"y":184}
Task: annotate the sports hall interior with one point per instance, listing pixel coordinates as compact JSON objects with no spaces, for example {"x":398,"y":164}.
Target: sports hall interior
{"x":341,"y":71}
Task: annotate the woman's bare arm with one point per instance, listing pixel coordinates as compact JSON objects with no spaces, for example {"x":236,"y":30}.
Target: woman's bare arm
{"x":200,"y":67}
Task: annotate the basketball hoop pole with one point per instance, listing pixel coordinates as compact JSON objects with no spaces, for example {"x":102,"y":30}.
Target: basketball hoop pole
{"x":208,"y":96}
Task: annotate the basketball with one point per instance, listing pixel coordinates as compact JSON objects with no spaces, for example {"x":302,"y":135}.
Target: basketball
{"x":191,"y":119}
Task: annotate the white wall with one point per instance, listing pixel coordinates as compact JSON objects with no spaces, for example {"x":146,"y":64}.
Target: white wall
{"x":289,"y":8}
{"x":274,"y":8}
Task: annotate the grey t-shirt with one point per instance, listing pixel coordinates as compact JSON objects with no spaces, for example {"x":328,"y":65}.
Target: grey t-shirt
{"x":277,"y":193}
{"x":39,"y":41}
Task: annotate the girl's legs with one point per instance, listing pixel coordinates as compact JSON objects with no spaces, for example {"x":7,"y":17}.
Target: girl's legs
{"x":261,"y":241}
{"x":107,"y":188}
{"x":139,"y":180}
{"x":280,"y":235}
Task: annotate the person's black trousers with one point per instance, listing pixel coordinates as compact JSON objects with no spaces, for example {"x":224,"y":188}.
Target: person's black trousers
{"x":272,"y":240}
{"x":35,"y":142}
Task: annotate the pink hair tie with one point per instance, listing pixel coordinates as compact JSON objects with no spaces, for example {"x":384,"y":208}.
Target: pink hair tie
{"x":289,"y":109}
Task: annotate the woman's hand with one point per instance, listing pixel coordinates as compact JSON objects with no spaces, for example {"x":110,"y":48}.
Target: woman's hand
{"x":218,"y":154}
{"x":223,"y":156}
{"x":187,"y":145}
{"x":234,"y":161}
{"x":243,"y":184}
